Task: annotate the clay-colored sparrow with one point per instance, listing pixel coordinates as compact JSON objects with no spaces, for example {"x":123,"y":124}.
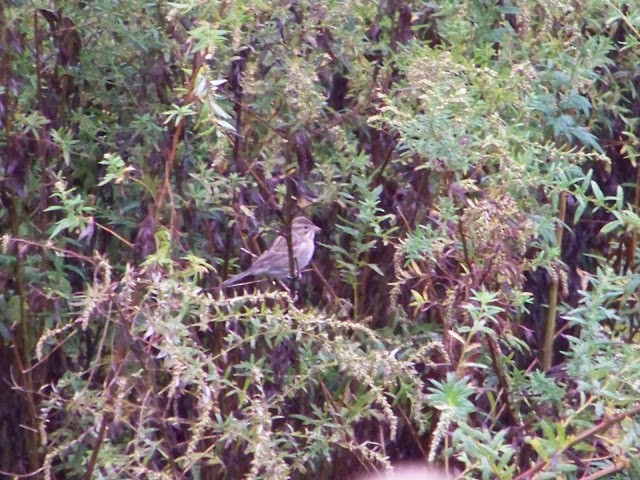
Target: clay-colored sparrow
{"x":274,"y":262}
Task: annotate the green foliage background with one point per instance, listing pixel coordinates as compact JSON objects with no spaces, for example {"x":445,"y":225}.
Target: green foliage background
{"x":473,"y":298}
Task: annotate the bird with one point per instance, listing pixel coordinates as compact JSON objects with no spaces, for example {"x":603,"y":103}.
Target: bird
{"x":274,"y":262}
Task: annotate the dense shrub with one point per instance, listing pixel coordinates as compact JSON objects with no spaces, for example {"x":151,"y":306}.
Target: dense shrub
{"x":473,"y":298}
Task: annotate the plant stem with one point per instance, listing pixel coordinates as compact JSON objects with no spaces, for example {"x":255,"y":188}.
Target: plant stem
{"x":546,"y":352}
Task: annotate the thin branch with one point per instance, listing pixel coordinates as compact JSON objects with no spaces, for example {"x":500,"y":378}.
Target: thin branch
{"x":602,"y":426}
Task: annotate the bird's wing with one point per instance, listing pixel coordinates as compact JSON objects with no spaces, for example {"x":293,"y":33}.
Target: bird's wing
{"x":279,"y":243}
{"x":277,"y":255}
{"x":272,"y":260}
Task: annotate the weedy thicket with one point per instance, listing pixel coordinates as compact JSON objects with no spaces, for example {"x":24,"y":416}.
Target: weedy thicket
{"x":473,"y":297}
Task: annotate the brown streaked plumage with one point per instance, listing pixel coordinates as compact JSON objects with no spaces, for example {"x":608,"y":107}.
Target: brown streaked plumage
{"x":274,"y":262}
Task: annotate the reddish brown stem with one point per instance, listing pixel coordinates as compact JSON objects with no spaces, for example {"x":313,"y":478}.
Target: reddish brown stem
{"x":504,"y":387}
{"x":603,"y":425}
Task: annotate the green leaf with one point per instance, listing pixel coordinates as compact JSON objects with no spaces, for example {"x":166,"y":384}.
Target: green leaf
{"x":375,"y":268}
{"x":587,"y":138}
{"x":64,"y":224}
{"x":586,"y":182}
{"x":577,"y":102}
{"x":610,"y":227}
{"x":582,"y":205}
{"x":597,"y":192}
{"x":619,"y":197}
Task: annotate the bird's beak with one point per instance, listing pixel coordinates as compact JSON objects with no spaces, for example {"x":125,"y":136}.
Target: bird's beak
{"x":316,"y":228}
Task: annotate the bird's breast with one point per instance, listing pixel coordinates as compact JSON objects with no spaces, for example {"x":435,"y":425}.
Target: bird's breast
{"x":304,"y":254}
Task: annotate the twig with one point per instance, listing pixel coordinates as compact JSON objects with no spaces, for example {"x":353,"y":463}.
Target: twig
{"x":504,"y":388}
{"x":603,"y":425}
{"x":61,"y":251}
{"x":616,"y":467}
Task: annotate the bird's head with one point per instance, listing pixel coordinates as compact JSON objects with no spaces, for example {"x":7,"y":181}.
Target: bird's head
{"x":302,"y":227}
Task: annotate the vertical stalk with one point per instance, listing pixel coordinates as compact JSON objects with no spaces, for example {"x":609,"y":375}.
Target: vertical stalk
{"x":631,"y":250}
{"x":21,"y":342}
{"x":550,"y":323}
{"x":22,"y":347}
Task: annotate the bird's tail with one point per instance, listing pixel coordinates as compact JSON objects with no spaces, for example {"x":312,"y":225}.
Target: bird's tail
{"x":235,"y":279}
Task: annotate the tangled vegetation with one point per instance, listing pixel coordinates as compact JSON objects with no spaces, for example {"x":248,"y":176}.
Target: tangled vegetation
{"x":473,"y":299}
